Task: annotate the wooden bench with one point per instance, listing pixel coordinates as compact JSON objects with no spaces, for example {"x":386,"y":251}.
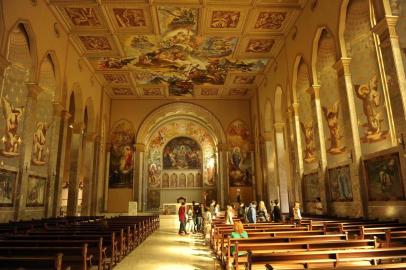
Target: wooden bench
{"x":33,"y":263}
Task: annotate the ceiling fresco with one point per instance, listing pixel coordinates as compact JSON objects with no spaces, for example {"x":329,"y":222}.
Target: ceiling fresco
{"x":179,"y":49}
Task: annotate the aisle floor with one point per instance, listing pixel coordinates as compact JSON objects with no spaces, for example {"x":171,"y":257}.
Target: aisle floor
{"x":166,"y":250}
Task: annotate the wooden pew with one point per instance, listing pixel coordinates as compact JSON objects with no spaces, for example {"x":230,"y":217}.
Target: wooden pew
{"x":33,"y":263}
{"x":394,"y":266}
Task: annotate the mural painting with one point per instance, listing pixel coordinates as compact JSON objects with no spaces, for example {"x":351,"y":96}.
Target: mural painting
{"x":122,"y":91}
{"x":12,"y":119}
{"x":225,"y":19}
{"x":311,"y":187}
{"x":259,"y":45}
{"x":384,"y":178}
{"x":209,"y":91}
{"x":310,"y":148}
{"x":115,"y":78}
{"x":182,"y":153}
{"x":129,"y":17}
{"x":121,"y":155}
{"x":153,"y":199}
{"x":174,"y":18}
{"x":95,"y":43}
{"x":36,"y":191}
{"x":152,"y":92}
{"x":40,"y":151}
{"x":7,"y":185}
{"x":238,"y":92}
{"x":240,"y":161}
{"x":270,"y":20}
{"x":83,"y":16}
{"x":190,"y":180}
{"x":340,"y":183}
{"x":244,"y":79}
{"x":331,"y":116}
{"x":372,"y":105}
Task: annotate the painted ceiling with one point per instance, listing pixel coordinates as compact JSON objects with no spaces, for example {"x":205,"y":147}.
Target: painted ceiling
{"x":179,"y":49}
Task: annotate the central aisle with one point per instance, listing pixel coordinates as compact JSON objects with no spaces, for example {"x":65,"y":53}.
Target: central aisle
{"x":166,"y":250}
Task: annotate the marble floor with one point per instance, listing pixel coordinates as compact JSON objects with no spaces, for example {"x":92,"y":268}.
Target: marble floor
{"x":166,"y":250}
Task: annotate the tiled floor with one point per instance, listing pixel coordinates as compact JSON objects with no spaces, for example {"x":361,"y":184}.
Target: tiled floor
{"x":166,"y":250}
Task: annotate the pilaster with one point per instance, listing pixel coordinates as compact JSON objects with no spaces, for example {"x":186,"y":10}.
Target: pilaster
{"x":138,"y":185}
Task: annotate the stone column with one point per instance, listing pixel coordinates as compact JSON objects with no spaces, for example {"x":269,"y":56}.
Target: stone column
{"x":223,"y":181}
{"x":323,"y":152}
{"x":54,"y":156}
{"x":95,"y":177}
{"x":106,"y":175}
{"x":74,"y":168}
{"x":359,"y":193}
{"x":300,"y":166}
{"x":26,"y":149}
{"x":88,"y":162}
{"x":138,"y":174}
{"x":282,"y":165}
{"x":270,"y":166}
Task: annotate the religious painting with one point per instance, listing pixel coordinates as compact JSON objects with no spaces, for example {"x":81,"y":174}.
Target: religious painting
{"x":12,"y":118}
{"x":339,"y":179}
{"x":115,"y":78}
{"x":311,"y":189}
{"x":257,"y":45}
{"x":270,"y":20}
{"x":180,"y":88}
{"x":165,"y":180}
{"x":81,"y":16}
{"x":182,"y":180}
{"x":121,"y":155}
{"x":182,"y":153}
{"x":122,"y":91}
{"x":174,"y":181}
{"x":331,"y":116}
{"x":239,"y":79}
{"x":209,"y":91}
{"x":219,"y":46}
{"x":172,"y":18}
{"x":139,"y":44}
{"x":95,"y":43}
{"x":373,"y":110}
{"x":384,"y":178}
{"x":40,"y":151}
{"x":151,"y":92}
{"x":240,"y":160}
{"x":36,"y":191}
{"x":7,"y":185}
{"x":190,"y":180}
{"x":238,"y":92}
{"x":225,"y":19}
{"x":153,"y":199}
{"x":129,"y":17}
{"x":153,"y":175}
{"x":310,"y":145}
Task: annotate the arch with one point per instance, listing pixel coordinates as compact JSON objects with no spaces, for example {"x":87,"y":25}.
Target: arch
{"x":323,"y":30}
{"x":25,"y":26}
{"x":176,"y":111}
{"x":268,"y":116}
{"x":52,"y":58}
{"x":341,"y":28}
{"x":77,"y":94}
{"x":278,"y":104}
{"x":295,"y":69}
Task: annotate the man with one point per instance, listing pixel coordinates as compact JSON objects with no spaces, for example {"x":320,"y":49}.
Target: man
{"x":252,"y":213}
{"x":182,"y":219}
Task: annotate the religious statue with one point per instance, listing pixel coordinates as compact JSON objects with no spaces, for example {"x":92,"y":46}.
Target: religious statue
{"x":371,"y":100}
{"x":40,"y":151}
{"x":309,"y":150}
{"x":152,"y":175}
{"x":12,"y":117}
{"x":331,"y":115}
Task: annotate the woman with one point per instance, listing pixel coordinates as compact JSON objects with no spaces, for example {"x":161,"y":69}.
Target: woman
{"x":217,"y":211}
{"x":262,"y":212}
{"x":190,"y":226}
{"x":238,"y":232}
{"x":297,"y":216}
{"x":229,"y":215}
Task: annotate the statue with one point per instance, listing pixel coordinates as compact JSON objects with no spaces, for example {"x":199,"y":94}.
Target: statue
{"x":12,"y":117}
{"x":331,"y":115}
{"x":309,"y":150}
{"x":40,"y":151}
{"x":371,"y":100}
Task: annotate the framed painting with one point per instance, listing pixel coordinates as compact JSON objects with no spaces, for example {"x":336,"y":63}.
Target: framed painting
{"x":311,"y":189}
{"x":36,"y":189}
{"x":7,"y":185}
{"x":339,"y":180}
{"x":384,"y":178}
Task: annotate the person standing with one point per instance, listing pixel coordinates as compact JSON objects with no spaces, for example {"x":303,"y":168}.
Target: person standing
{"x":217,"y":211}
{"x":262,"y":212}
{"x":199,"y":217}
{"x":182,"y":219}
{"x":297,"y":216}
{"x":229,"y":215}
{"x":207,"y":217}
{"x":277,"y":211}
{"x":252,"y":213}
{"x":318,"y":207}
{"x":190,"y":225}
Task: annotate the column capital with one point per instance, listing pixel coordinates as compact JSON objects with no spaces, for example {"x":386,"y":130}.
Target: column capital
{"x":267,"y":136}
{"x":78,"y":127}
{"x":279,"y":126}
{"x":58,"y":108}
{"x":139,"y":147}
{"x":343,"y":66}
{"x":386,"y":27}
{"x":222,"y":146}
{"x":33,"y":89}
{"x":316,"y":90}
{"x":295,"y":107}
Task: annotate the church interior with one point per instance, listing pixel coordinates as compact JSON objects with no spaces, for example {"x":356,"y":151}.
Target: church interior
{"x":113,"y":112}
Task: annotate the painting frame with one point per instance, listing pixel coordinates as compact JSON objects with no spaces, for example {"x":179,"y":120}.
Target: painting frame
{"x":10,"y":181}
{"x":36,"y":186}
{"x":389,"y":177}
{"x":340,"y":177}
